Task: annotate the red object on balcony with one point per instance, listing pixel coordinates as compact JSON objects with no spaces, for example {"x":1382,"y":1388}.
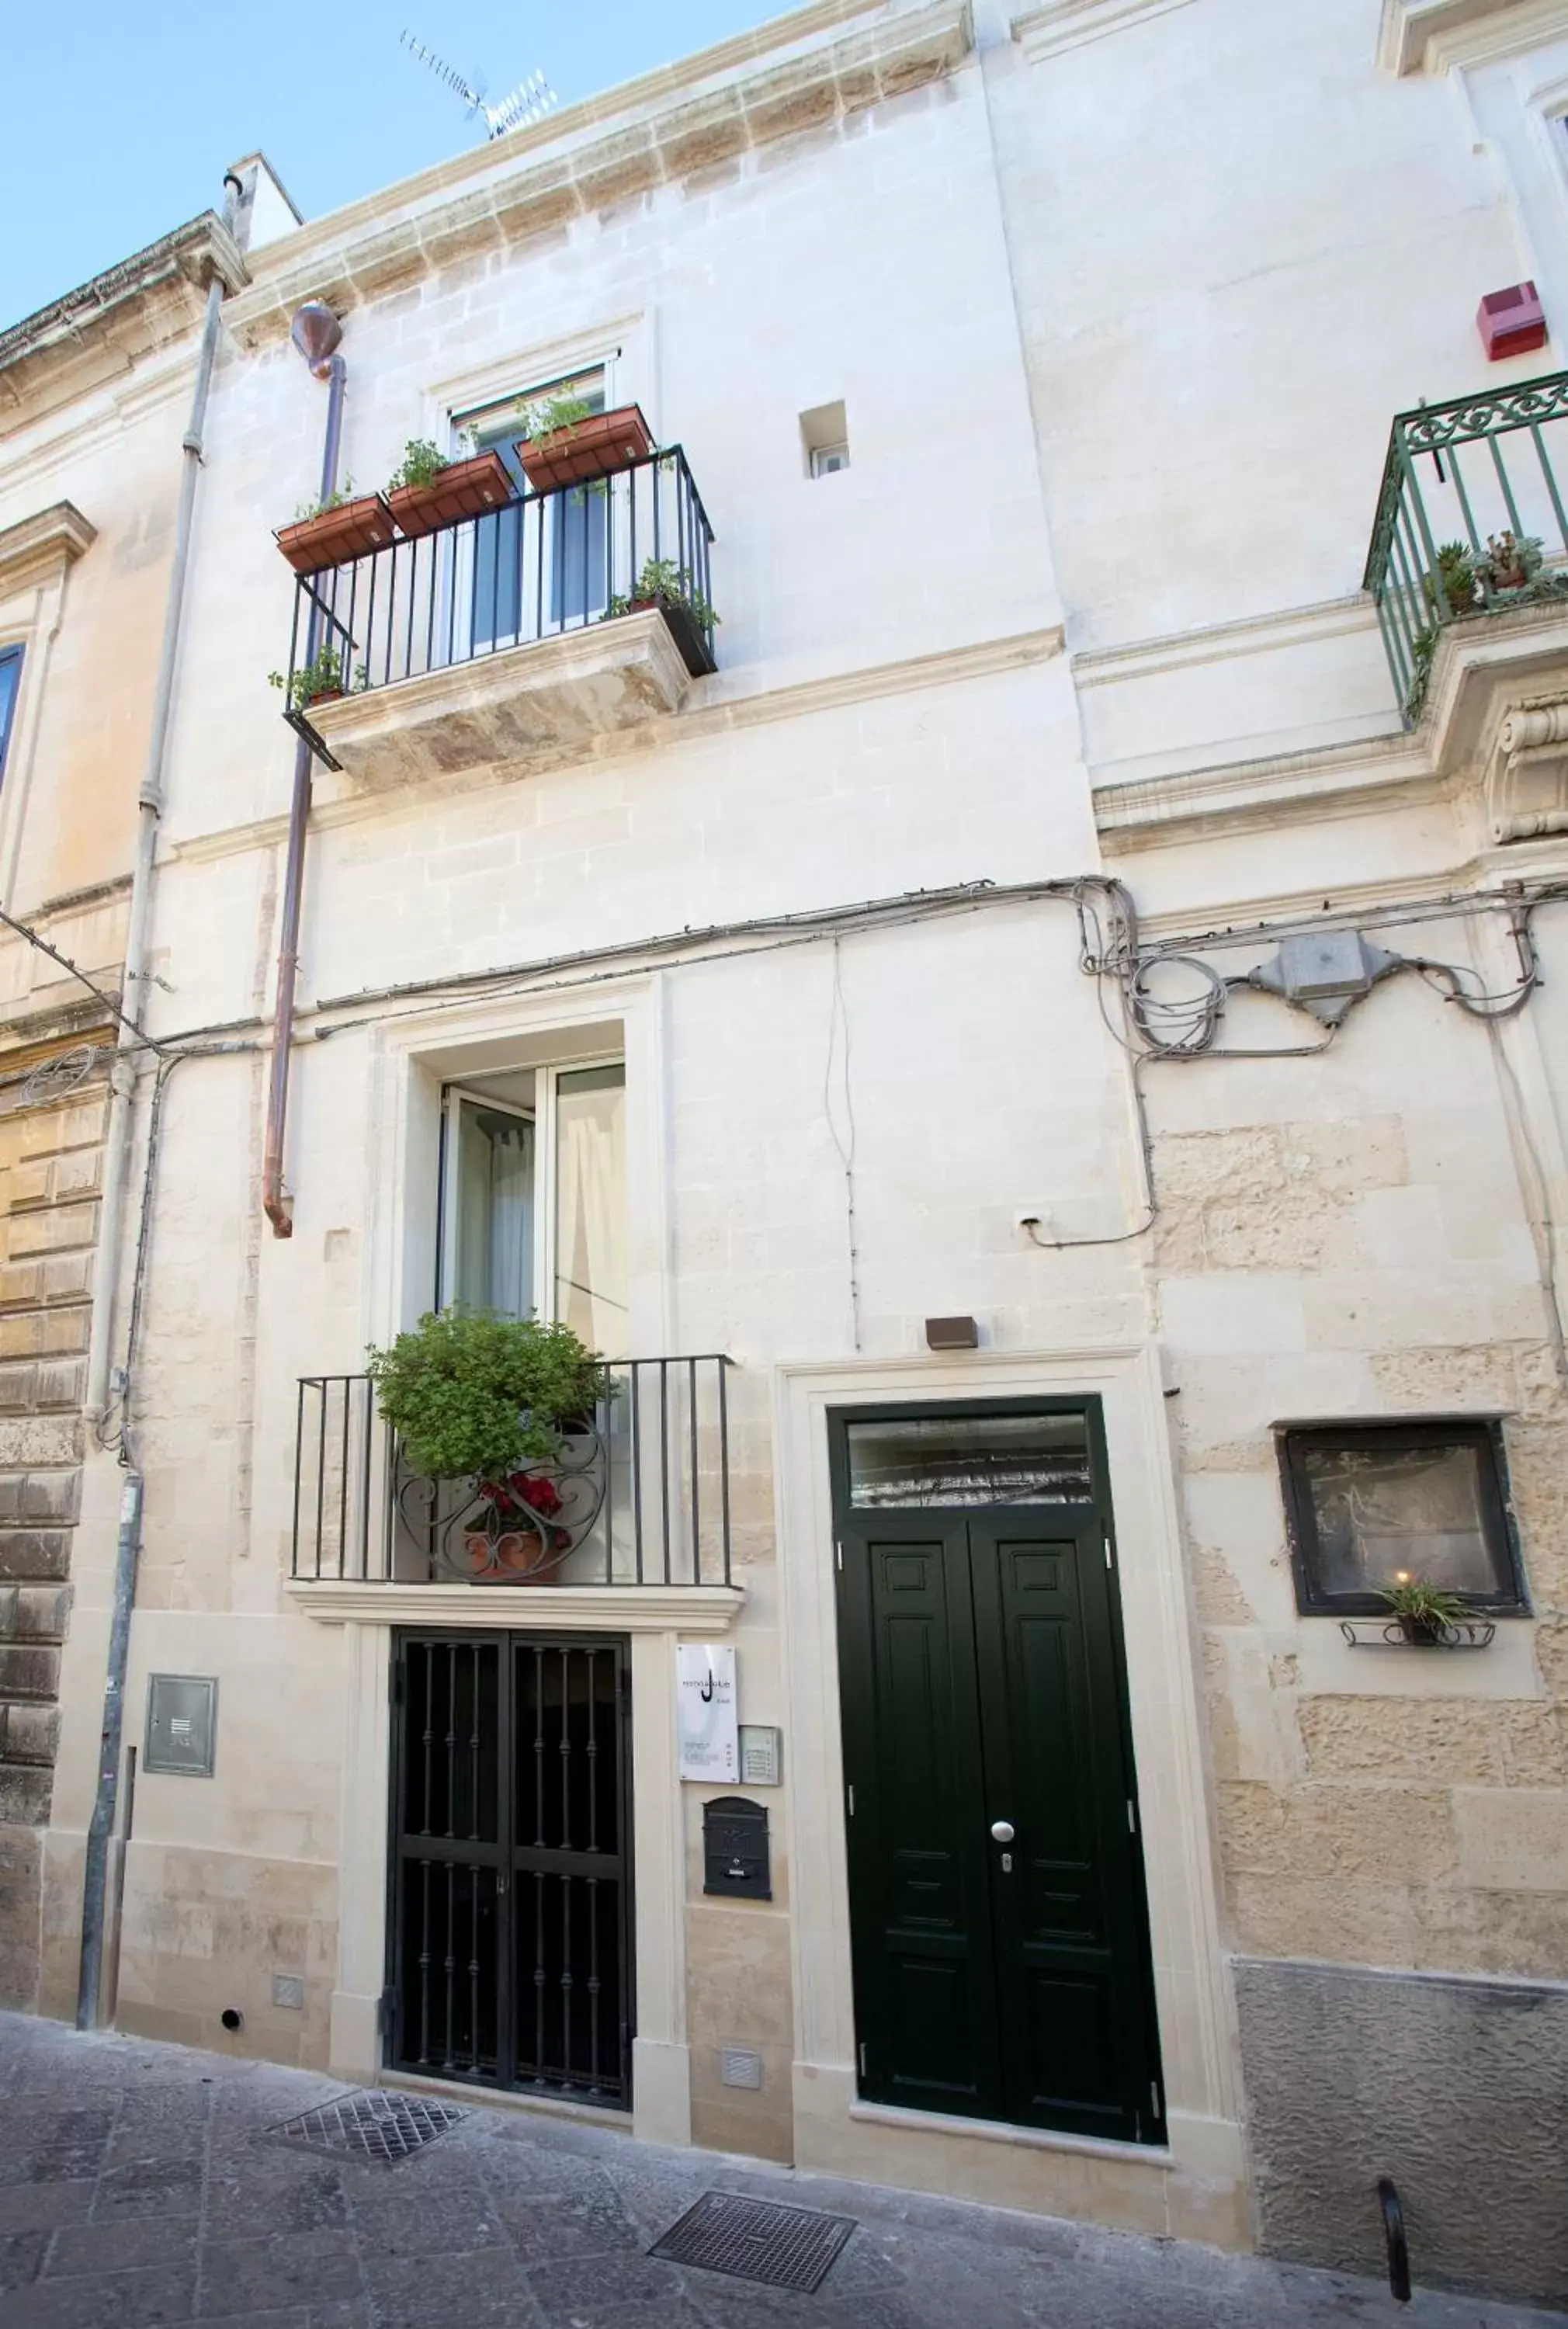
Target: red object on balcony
{"x":1511,"y":323}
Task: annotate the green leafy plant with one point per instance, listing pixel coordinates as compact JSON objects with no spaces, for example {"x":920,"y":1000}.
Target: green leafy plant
{"x":319,"y":508}
{"x":548,"y":413}
{"x":325,"y":674}
{"x":1451,"y":590}
{"x":661,"y":579}
{"x":473,"y":1394}
{"x":421,"y":465}
{"x":1423,"y":1609}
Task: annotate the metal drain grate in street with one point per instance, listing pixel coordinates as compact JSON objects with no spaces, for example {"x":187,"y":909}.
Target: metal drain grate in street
{"x":370,"y":2124}
{"x":756,"y":2240}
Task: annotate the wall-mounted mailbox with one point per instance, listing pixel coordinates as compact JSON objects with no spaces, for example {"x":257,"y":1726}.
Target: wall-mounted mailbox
{"x":735,"y":1860}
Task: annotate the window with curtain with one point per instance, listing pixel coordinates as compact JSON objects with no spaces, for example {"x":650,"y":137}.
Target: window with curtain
{"x":534,"y":1203}
{"x":10,"y":686}
{"x":523,"y":586}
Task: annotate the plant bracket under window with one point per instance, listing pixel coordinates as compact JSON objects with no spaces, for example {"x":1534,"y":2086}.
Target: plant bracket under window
{"x":1387,"y":1633}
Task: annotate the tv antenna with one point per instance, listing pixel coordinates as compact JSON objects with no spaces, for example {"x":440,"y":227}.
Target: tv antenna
{"x":530,"y":102}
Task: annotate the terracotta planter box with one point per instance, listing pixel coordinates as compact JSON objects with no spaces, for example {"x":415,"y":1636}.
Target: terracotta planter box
{"x":516,"y":1553}
{"x":596,"y":448}
{"x":684,"y":629}
{"x":322,"y":696}
{"x":464,"y":489}
{"x":336,"y":536}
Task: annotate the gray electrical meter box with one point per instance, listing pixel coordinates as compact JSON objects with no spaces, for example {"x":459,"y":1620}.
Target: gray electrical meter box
{"x":182,"y":1724}
{"x":735,"y":1853}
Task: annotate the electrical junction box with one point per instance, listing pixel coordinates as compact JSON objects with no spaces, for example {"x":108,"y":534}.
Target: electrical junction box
{"x":1324,"y":971}
{"x":1511,"y":323}
{"x":181,"y":1725}
{"x":735,"y":1849}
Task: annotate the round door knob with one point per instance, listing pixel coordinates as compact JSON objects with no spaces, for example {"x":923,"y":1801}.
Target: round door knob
{"x":1001,"y":1831}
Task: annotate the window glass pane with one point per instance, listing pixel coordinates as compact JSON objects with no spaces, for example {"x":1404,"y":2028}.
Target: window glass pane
{"x":494,"y":1187}
{"x":971,"y":1459}
{"x":10,"y":681}
{"x":591,"y":1207}
{"x":1381,"y":1509}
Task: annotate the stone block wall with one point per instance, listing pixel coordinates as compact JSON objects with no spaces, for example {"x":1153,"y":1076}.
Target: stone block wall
{"x":50,"y":1154}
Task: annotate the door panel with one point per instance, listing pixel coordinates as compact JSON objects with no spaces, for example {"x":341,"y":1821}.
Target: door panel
{"x":1070,"y":1966}
{"x":923,"y":1990}
{"x":981,"y":1681}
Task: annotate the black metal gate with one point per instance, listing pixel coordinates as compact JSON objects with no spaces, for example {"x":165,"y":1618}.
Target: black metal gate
{"x":511,"y":1953}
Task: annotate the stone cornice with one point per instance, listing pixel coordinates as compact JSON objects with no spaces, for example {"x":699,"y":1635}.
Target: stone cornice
{"x":1247,"y":635}
{"x":699,"y":1612}
{"x":1432,"y":35}
{"x":593,"y":157}
{"x":100,"y":331}
{"x":1286,"y":787}
{"x":1045,"y":31}
{"x":38,"y":549}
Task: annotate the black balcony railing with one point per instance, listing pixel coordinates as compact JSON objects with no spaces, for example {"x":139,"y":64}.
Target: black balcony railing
{"x":638,"y":1494}
{"x":1470,"y":520}
{"x":542,"y":566}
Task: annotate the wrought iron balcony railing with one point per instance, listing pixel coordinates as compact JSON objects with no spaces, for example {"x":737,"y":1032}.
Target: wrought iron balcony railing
{"x":1470,"y":520}
{"x":638,"y":1495}
{"x":541,"y":567}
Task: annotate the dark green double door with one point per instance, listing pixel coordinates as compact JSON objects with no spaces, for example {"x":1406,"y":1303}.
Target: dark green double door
{"x":1000,"y":1932}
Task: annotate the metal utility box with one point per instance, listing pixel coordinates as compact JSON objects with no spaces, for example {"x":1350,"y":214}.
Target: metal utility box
{"x":181,"y":1725}
{"x":735,"y":1849}
{"x":1511,"y":323}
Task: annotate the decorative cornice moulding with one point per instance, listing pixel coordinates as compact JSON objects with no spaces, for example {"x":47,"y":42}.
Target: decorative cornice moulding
{"x":415,"y":231}
{"x":1058,"y":25}
{"x":39,"y":549}
{"x":698,"y":1612}
{"x":1433,"y":36}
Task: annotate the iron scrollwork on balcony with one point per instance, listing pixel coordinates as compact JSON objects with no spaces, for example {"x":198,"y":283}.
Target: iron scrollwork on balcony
{"x":518,"y":1530}
{"x":1454,"y":537}
{"x":638,"y":1495}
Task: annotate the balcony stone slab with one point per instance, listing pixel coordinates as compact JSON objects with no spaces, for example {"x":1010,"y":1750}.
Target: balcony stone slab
{"x":545,"y":704}
{"x":1495,"y":721}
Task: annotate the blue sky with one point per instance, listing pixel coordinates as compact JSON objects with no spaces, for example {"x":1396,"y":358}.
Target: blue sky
{"x":120,"y":116}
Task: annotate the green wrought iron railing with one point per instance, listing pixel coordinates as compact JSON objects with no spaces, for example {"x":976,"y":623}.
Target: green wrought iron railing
{"x":1470,"y":520}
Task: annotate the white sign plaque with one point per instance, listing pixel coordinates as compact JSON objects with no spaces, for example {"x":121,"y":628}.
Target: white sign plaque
{"x":709,"y":1739}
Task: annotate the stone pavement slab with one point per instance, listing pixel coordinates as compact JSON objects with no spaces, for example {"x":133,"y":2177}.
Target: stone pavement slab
{"x":142,"y":2184}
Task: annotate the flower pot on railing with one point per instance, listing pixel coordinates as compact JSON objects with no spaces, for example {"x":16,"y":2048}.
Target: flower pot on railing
{"x":461,"y":489}
{"x":598,"y":446}
{"x":684,"y":628}
{"x":334,"y":537}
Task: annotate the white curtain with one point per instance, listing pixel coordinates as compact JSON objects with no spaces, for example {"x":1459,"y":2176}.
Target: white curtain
{"x":591,"y":1208}
{"x":510,"y":1215}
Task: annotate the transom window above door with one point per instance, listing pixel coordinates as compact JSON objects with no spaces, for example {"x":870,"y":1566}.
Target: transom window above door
{"x":956,"y":1459}
{"x":533,"y":1198}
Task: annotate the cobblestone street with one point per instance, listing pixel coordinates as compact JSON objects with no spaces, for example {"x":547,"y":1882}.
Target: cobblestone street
{"x":141,"y":2183}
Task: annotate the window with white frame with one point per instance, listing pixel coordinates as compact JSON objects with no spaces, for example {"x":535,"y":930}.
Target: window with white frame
{"x":533,"y":1197}
{"x":530,"y":579}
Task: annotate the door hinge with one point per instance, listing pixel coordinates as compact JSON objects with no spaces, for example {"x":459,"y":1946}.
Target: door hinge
{"x":862,"y":2050}
{"x":850,"y":1791}
{"x":839,"y":1548}
{"x":1132,"y":1818}
{"x":386,"y":2012}
{"x":1106,"y":1540}
{"x":1154,"y":2097}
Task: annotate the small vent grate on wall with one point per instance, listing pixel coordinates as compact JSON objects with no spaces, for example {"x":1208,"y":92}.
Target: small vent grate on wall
{"x":756,"y":2240}
{"x":370,"y":2124}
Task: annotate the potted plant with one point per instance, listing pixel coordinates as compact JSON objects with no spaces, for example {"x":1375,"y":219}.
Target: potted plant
{"x":1451,"y":589}
{"x":563,"y":443}
{"x":320,"y":680}
{"x":1512,"y":562}
{"x":673,"y":590}
{"x":1424,"y":1613}
{"x":332,"y":532}
{"x":480,"y":1398}
{"x":427,"y":490}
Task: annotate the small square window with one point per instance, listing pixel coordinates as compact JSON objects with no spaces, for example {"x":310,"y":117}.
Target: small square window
{"x":1367,"y":1504}
{"x":828,"y":460}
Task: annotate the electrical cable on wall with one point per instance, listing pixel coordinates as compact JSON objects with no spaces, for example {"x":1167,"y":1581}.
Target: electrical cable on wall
{"x":839,"y":1027}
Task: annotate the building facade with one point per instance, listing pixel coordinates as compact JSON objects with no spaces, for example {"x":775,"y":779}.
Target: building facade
{"x":1031,"y":1047}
